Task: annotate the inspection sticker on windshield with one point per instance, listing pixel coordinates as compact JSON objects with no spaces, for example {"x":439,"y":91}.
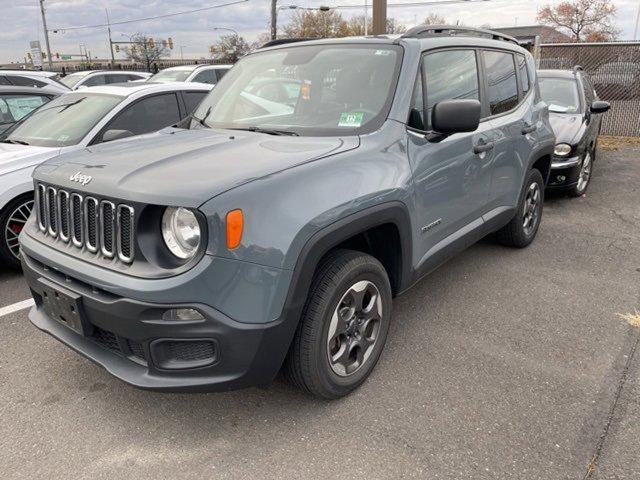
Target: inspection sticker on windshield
{"x":351,"y":119}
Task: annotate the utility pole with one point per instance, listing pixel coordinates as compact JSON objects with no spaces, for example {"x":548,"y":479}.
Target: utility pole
{"x":46,"y":34}
{"x":366,"y":20}
{"x":635,"y":29}
{"x":113,"y":58}
{"x":379,"y":17}
{"x":274,"y":19}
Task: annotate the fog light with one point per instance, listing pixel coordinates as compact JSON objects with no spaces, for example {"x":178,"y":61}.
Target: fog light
{"x":561,"y":178}
{"x":182,"y":314}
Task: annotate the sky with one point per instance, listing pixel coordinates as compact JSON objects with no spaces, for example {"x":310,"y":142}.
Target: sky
{"x":195,"y":32}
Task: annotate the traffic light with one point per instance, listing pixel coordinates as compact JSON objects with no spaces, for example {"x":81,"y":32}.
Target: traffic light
{"x":164,"y":43}
{"x":57,"y":56}
{"x":44,"y":55}
{"x":151,"y":43}
{"x":117,"y":48}
{"x":170,"y":41}
{"x":29,"y":55}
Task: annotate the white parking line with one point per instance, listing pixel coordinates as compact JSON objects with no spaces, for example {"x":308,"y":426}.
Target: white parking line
{"x":16,"y":307}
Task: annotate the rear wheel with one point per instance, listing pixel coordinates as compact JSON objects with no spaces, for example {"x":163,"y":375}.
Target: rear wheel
{"x":12,"y":220}
{"x":344,"y":325}
{"x":523,"y":227}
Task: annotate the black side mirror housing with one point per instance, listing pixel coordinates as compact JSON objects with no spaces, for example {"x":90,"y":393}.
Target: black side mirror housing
{"x":600,"y":106}
{"x":114,"y":134}
{"x":455,"y":116}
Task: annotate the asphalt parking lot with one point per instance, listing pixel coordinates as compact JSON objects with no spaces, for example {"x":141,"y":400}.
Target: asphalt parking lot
{"x":501,"y":364}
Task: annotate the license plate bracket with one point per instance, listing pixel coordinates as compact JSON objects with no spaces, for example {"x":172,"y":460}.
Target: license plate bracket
{"x":64,"y":306}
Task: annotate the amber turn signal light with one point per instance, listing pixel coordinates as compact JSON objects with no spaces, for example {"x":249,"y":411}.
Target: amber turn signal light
{"x":235,"y":223}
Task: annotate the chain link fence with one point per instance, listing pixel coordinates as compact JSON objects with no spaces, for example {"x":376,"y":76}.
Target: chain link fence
{"x":614,"y":69}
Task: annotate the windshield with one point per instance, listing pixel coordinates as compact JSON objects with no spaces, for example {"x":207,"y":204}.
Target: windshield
{"x":305,"y":90}
{"x":561,"y":94}
{"x":171,"y":75}
{"x":63,"y":121}
{"x":72,"y":79}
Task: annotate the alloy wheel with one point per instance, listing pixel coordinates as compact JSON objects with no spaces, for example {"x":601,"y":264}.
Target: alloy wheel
{"x":354,"y":328}
{"x":14,"y":226}
{"x":585,"y":174}
{"x":531,"y":208}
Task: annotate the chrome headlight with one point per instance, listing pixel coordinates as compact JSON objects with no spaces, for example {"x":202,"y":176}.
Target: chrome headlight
{"x":562,"y":150}
{"x":181,"y":232}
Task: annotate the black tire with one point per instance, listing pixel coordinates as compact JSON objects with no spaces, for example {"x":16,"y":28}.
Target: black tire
{"x":7,"y":257}
{"x":308,"y":365}
{"x":579,"y":190}
{"x":515,"y":233}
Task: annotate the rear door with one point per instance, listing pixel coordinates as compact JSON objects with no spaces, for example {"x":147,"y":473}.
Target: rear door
{"x":513,"y":121}
{"x":451,"y":180}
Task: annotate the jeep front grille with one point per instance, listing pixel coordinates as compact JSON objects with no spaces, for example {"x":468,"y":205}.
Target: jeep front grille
{"x":85,"y":221}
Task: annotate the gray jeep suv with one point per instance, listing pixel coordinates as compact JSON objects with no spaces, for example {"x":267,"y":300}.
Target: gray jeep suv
{"x":272,"y":229}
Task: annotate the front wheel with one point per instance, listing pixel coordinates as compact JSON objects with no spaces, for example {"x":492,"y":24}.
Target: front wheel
{"x":584,"y":177}
{"x":523,"y":227}
{"x":344,"y":325}
{"x":12,"y":220}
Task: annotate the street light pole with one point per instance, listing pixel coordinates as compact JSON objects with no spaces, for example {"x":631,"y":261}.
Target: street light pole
{"x":274,"y":19}
{"x":226,"y":28}
{"x":635,"y":29}
{"x":366,"y":20}
{"x":46,"y":34}
{"x":113,"y":58}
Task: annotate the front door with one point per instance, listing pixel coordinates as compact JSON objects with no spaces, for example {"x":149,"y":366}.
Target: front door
{"x":452,"y":175}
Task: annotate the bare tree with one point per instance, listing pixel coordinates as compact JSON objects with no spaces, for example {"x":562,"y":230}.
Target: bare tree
{"x":582,"y":19}
{"x":316,"y":24}
{"x":355,"y":26}
{"x":146,"y":50}
{"x":434,"y":19}
{"x":229,"y":48}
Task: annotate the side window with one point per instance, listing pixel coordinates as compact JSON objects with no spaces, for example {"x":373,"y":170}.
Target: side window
{"x":451,"y":74}
{"x":94,"y":81}
{"x":148,"y":115}
{"x":131,"y":78}
{"x":25,"y":81}
{"x":525,"y":82}
{"x":206,"y":76}
{"x":116,"y":78}
{"x":4,"y":80}
{"x":14,"y":107}
{"x":193,"y":99}
{"x":416,"y":114}
{"x":220,"y":72}
{"x":589,"y":93}
{"x":501,"y":81}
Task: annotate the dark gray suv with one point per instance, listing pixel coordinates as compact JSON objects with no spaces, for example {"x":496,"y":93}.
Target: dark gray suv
{"x":272,"y":229}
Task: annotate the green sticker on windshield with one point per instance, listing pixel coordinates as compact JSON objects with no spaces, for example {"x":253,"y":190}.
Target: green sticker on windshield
{"x":351,"y":119}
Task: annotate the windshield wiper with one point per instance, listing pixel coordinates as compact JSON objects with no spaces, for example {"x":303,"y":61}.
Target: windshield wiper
{"x":16,"y":142}
{"x":268,"y":131}
{"x":202,"y":121}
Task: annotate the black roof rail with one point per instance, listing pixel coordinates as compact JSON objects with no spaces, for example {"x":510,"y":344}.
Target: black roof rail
{"x":423,"y":31}
{"x":283,"y":41}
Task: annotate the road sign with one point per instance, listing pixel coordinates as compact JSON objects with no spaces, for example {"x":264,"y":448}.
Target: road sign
{"x":65,"y":57}
{"x":36,"y":53}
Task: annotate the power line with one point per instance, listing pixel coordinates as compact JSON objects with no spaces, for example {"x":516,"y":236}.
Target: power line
{"x":144,"y":19}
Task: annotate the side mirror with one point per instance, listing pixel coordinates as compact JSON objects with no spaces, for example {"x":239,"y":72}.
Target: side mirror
{"x":454,"y":116}
{"x":600,"y":106}
{"x":111,"y":135}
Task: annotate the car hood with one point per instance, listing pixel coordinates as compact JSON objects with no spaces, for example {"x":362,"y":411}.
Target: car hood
{"x":566,"y":126}
{"x":16,"y":157}
{"x":184,"y":167}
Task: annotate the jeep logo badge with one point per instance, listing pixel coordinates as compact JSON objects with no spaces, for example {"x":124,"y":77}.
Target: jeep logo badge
{"x":80,"y":178}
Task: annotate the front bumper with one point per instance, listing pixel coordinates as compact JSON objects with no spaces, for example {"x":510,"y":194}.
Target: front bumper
{"x":564,"y":172}
{"x":131,"y":341}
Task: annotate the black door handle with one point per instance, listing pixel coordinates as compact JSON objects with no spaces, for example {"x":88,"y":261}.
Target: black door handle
{"x":483,"y":147}
{"x":529,"y":128}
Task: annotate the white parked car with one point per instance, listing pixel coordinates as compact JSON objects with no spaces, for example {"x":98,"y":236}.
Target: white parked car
{"x":94,"y":78}
{"x":75,"y":121}
{"x":210,"y":74}
{"x":32,"y":78}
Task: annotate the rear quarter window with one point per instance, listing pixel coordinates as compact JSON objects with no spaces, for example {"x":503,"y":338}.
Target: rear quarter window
{"x":502,"y":84}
